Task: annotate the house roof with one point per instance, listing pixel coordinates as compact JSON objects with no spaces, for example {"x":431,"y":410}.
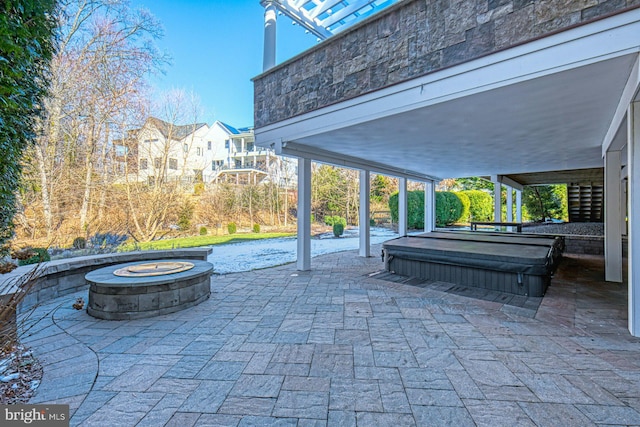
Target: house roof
{"x":169,"y":130}
{"x":228,"y":128}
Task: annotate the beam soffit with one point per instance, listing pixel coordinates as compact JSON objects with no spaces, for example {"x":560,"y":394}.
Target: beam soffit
{"x":293,"y":149}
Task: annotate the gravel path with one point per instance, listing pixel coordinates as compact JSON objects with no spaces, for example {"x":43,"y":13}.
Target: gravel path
{"x":576,"y":228}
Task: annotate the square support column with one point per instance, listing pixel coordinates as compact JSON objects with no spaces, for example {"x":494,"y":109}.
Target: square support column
{"x":509,"y":204}
{"x":518,"y":206}
{"x":429,"y":206}
{"x":363,"y":225}
{"x":633,"y":163}
{"x":623,"y":206}
{"x":304,"y":214}
{"x":612,"y":216}
{"x":402,"y":206}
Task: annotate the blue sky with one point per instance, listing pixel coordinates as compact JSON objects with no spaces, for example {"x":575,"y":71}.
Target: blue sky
{"x":216,"y":46}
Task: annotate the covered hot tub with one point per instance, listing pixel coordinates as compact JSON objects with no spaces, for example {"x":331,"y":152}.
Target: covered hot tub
{"x":504,"y":266}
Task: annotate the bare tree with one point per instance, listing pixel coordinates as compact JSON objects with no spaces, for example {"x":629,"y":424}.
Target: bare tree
{"x":153,"y":198}
{"x":105,"y":54}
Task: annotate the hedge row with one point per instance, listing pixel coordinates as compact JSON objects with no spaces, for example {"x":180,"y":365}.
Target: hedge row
{"x":451,"y":207}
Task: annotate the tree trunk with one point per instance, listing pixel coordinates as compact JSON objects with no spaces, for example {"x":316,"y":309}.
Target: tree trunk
{"x":86,"y":198}
{"x":46,"y":200}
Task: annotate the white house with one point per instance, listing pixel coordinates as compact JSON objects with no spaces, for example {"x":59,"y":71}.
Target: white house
{"x":193,"y":153}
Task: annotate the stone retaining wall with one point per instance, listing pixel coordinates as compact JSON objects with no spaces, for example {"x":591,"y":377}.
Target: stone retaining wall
{"x":408,"y":40}
{"x":66,"y":276}
{"x":589,"y":245}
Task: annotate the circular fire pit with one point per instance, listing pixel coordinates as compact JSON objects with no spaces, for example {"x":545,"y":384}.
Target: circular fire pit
{"x":145,"y":289}
{"x":155,"y":268}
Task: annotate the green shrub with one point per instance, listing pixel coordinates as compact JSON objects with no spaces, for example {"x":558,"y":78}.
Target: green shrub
{"x":338,"y":229}
{"x":203,"y":231}
{"x":79,"y":243}
{"x":335,"y":219}
{"x":466,"y":206}
{"x":415,"y":207}
{"x":448,"y":208}
{"x":256,"y":228}
{"x":372,"y":222}
{"x":41,"y":255}
{"x":480,"y":206}
{"x":232,"y":228}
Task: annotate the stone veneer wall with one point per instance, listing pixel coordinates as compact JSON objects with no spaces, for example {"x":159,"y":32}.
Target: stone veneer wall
{"x":408,"y":40}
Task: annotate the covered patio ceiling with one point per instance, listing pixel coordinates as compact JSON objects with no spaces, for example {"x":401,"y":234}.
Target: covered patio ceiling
{"x":572,"y":176}
{"x":555,"y":122}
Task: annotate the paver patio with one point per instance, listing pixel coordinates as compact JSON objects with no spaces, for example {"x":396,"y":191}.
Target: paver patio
{"x":339,"y":346}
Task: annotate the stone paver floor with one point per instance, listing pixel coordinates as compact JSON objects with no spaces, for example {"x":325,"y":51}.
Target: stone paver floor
{"x":338,"y":346}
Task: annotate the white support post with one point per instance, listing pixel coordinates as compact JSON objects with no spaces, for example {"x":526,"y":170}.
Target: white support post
{"x":509,"y":204}
{"x":497,"y":199}
{"x":519,"y":206}
{"x":304,"y":214}
{"x":429,"y":206}
{"x":623,"y":206}
{"x":269,"y":54}
{"x":612,"y":225}
{"x":402,"y":206}
{"x":633,"y":163}
{"x":364,"y":230}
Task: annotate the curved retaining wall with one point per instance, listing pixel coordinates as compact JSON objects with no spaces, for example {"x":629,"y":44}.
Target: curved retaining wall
{"x":66,"y":276}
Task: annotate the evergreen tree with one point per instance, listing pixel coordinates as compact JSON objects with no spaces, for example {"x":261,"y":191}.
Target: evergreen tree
{"x":26,"y":46}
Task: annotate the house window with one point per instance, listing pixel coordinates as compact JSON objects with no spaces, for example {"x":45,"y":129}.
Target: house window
{"x":238,"y":164}
{"x":208,"y":145}
{"x":144,"y":164}
{"x":185,"y":147}
{"x":151,"y":140}
{"x":151,"y":180}
{"x":250,"y":146}
{"x":226,"y":144}
{"x":199,"y":151}
{"x":157,"y":162}
{"x":173,"y":164}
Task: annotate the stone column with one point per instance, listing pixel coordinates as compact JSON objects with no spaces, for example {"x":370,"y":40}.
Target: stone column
{"x":402,"y":206}
{"x":612,"y":225}
{"x":304,"y":214}
{"x":363,"y":223}
{"x":269,"y":54}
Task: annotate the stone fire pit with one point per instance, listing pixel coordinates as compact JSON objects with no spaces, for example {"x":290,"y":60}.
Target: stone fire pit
{"x":145,"y":289}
